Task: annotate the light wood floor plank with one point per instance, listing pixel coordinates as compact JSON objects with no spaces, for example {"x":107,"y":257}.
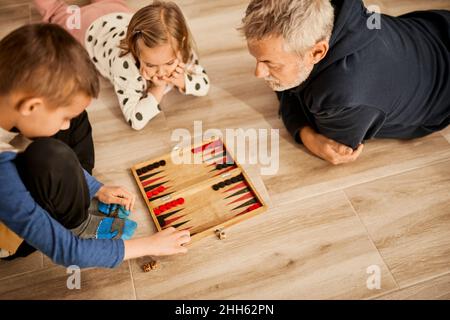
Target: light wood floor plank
{"x":302,"y":175}
{"x":11,"y":268}
{"x":408,"y":218}
{"x":51,"y":283}
{"x":399,"y":7}
{"x":12,"y":17}
{"x":316,"y":248}
{"x":446,"y":133}
{"x":310,"y":244}
{"x":435,"y":289}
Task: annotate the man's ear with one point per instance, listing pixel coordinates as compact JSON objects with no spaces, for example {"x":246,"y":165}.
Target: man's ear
{"x":319,"y":51}
{"x":28,"y":106}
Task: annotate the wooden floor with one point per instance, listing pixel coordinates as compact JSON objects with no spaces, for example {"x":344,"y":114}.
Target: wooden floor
{"x":326,"y":224}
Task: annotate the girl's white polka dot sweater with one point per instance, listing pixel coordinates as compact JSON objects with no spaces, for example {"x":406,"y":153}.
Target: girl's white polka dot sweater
{"x":138,"y":106}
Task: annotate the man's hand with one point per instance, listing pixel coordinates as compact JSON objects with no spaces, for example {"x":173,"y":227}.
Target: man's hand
{"x":116,"y":195}
{"x":327,"y":149}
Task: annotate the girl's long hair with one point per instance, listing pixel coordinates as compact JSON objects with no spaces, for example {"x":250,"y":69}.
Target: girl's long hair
{"x":157,"y":24}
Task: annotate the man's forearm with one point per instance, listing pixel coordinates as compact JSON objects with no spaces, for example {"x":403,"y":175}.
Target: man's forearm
{"x":306,"y":133}
{"x":327,"y":149}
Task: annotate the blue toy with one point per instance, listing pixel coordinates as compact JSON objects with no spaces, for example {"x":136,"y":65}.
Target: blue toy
{"x":113,"y":210}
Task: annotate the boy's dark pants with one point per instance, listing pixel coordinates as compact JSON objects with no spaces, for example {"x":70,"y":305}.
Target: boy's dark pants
{"x":50,"y":170}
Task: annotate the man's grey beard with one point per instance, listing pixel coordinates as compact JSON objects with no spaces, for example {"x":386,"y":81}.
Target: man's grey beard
{"x":275,"y":85}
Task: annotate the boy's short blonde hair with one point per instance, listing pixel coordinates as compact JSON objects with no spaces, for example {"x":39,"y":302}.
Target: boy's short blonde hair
{"x":44,"y":60}
{"x":301,"y":23}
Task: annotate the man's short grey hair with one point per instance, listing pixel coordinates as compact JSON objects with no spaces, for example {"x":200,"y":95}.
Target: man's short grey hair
{"x":301,"y":23}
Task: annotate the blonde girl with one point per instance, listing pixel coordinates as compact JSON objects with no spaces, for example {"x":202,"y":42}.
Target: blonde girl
{"x":144,"y":54}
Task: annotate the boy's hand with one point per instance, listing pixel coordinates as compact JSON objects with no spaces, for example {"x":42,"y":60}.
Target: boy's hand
{"x":164,"y":243}
{"x":328,"y":149}
{"x":116,"y":195}
{"x":167,"y":242}
{"x":177,"y":76}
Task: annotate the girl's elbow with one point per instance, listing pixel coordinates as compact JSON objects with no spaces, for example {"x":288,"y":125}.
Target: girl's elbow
{"x":137,"y":124}
{"x":138,"y":127}
{"x":204,"y":92}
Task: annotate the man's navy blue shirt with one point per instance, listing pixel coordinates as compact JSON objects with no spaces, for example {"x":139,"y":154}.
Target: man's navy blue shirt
{"x":387,"y":82}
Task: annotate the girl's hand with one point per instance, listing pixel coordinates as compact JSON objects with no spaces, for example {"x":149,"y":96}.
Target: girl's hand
{"x":154,"y":79}
{"x":158,"y":89}
{"x":177,"y":76}
{"x":116,"y":195}
{"x":161,"y":83}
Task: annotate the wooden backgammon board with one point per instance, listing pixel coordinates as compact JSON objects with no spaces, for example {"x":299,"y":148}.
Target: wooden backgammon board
{"x":203,"y":195}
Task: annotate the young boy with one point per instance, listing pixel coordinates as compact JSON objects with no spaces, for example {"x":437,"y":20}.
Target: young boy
{"x":46,"y":83}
